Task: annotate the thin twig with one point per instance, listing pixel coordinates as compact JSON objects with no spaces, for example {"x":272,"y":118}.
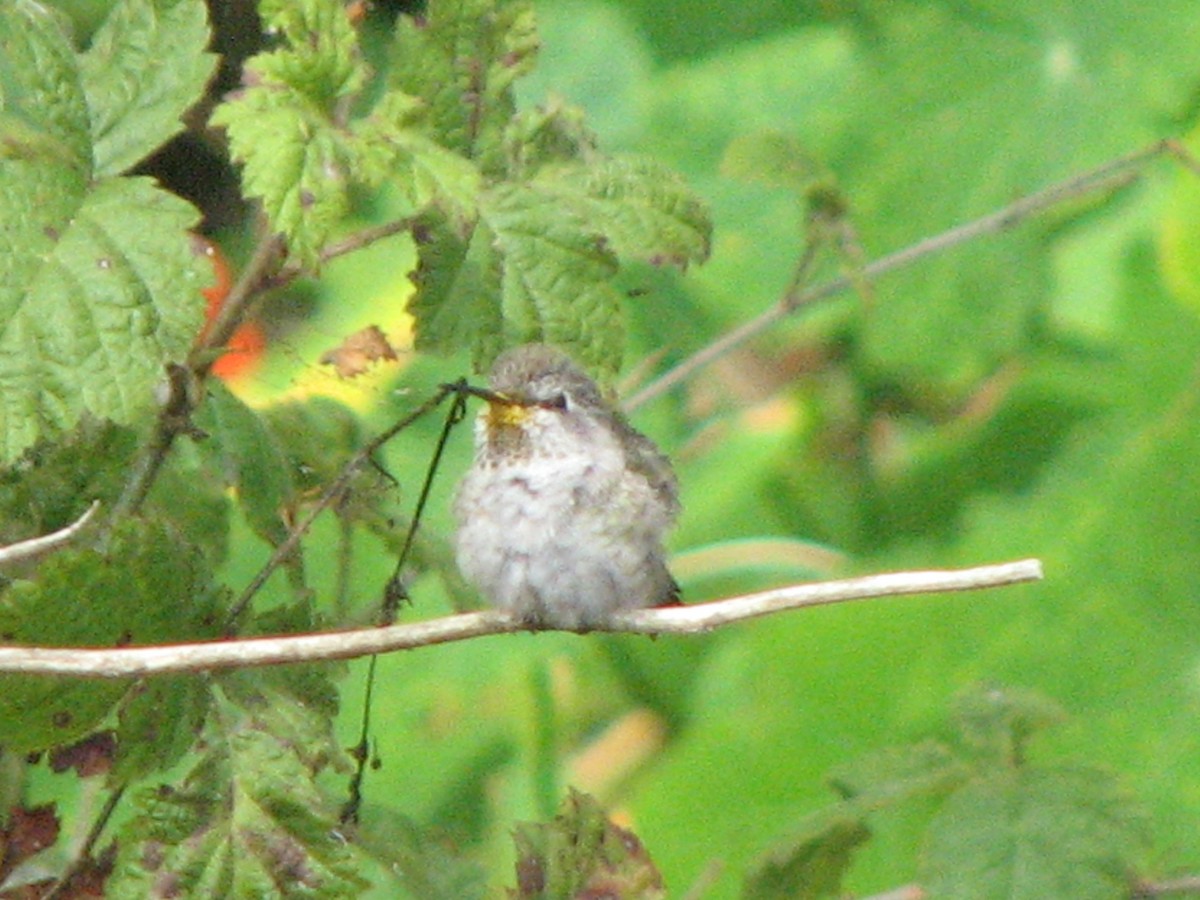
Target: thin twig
{"x":795,"y":298}
{"x":126,"y":662}
{"x":348,"y":244}
{"x":331,"y":494}
{"x":396,"y":592}
{"x":82,"y":856}
{"x":183,"y":384}
{"x":252,"y":282}
{"x":47,"y":542}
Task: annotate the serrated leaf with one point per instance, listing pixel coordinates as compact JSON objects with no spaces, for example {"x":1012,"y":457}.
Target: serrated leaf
{"x":532,"y":271}
{"x":540,"y":262}
{"x":250,"y":461}
{"x":43,"y":114}
{"x":644,"y":210}
{"x":1065,"y":833}
{"x":811,"y":863}
{"x":249,"y":820}
{"x":583,"y":854}
{"x":292,"y":130}
{"x":462,"y":58}
{"x":295,"y":165}
{"x":443,"y":178}
{"x":320,"y":60}
{"x":98,"y":284}
{"x":148,"y":588}
{"x":553,"y":133}
{"x":458,"y":283}
{"x":135,"y":101}
{"x":555,"y":278}
{"x":160,"y":721}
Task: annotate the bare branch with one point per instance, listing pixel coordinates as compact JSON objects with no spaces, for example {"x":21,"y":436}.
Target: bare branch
{"x":125,"y":662}
{"x":47,"y":542}
{"x":1110,"y":175}
{"x":266,"y":258}
{"x":707,"y":616}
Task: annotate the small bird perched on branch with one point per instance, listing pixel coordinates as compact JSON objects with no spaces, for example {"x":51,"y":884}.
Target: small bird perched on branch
{"x":561,"y":517}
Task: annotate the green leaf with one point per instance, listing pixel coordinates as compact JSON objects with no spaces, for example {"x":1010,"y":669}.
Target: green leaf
{"x":250,"y":461}
{"x":44,"y":127}
{"x":136,"y":99}
{"x":1065,"y":833}
{"x":643,"y":209}
{"x":555,"y":277}
{"x":160,"y":721}
{"x":293,"y":132}
{"x":292,"y":161}
{"x":249,"y":819}
{"x":581,"y":854}
{"x":320,"y":59}
{"x":441,"y":177}
{"x":556,"y":216}
{"x":553,"y":133}
{"x":812,"y":863}
{"x":540,"y":264}
{"x":461,"y":58}
{"x":458,"y":285}
{"x":773,"y":158}
{"x":98,"y":284}
{"x":149,"y":588}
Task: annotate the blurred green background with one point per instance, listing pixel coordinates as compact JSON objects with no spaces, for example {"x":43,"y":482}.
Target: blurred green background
{"x":1029,"y":394}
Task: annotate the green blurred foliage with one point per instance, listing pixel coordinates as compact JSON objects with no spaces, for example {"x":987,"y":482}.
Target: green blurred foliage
{"x":1032,"y":393}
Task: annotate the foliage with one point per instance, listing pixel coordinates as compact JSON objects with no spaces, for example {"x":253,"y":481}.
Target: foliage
{"x":1003,"y":827}
{"x":558,"y":173}
{"x":71,"y":220}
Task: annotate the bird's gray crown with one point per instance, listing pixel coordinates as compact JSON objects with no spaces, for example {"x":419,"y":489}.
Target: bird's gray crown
{"x":542,"y":373}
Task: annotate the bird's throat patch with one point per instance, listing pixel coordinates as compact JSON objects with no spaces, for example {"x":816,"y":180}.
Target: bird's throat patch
{"x":505,"y":416}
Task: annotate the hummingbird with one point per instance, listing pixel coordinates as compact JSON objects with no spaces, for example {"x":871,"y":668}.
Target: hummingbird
{"x":562,"y":514}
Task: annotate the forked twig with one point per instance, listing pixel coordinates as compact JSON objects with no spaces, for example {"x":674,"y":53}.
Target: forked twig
{"x":132,"y":662}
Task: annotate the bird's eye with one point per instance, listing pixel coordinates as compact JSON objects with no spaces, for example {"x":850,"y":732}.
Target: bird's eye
{"x":556,"y":401}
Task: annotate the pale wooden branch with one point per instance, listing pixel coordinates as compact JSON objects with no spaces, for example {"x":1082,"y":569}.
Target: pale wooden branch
{"x":126,"y":662}
{"x":47,"y":542}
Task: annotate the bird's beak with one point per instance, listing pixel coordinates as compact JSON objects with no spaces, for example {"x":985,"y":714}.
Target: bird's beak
{"x":492,"y":397}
